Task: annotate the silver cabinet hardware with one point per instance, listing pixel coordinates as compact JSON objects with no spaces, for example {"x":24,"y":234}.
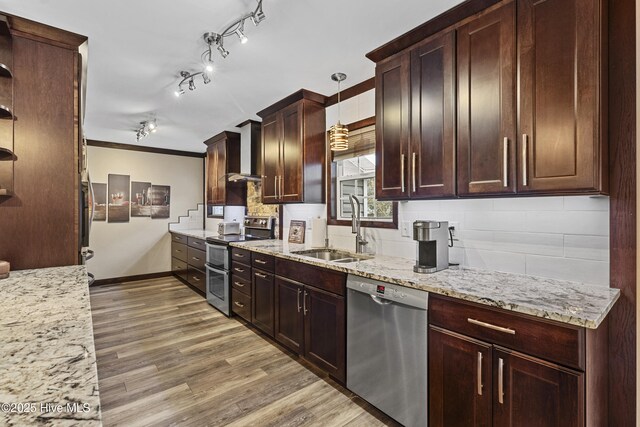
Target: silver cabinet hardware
{"x":239,"y":304}
{"x":259,"y":261}
{"x":490,"y":326}
{"x":239,"y":270}
{"x":195,"y":258}
{"x":299,"y":293}
{"x":262,"y":276}
{"x":505,"y":161}
{"x":500,"y":380}
{"x":304,"y":303}
{"x":238,"y":284}
{"x":402,"y":173}
{"x":275,"y":187}
{"x":479,"y":373}
{"x":240,"y":255}
{"x":413,"y":170}
{"x":195,"y":278}
{"x":524,"y":159}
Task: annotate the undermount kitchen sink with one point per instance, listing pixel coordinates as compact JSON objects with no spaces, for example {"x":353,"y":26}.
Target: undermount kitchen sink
{"x":333,"y":255}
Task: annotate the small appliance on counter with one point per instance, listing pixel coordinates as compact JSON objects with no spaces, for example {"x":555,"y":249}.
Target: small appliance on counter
{"x":432,"y":253}
{"x":226,"y":228}
{"x":4,"y":269}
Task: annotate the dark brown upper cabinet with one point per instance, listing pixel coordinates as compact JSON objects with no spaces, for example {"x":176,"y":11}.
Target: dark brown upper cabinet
{"x":415,"y":134}
{"x":223,"y":157}
{"x":486,"y":103}
{"x":293,"y":149}
{"x":528,"y":91}
{"x":562,"y":96}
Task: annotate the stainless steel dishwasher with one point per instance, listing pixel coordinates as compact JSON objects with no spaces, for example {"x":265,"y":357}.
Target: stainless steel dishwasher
{"x":387,"y":348}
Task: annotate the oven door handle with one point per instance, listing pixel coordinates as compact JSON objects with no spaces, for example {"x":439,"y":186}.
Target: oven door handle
{"x":216,"y":270}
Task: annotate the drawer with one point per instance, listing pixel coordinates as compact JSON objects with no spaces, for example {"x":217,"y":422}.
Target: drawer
{"x":553,"y":341}
{"x":241,"y":285}
{"x":197,"y":279}
{"x":196,"y":258}
{"x":241,"y":305}
{"x":178,"y":266}
{"x":179,"y":250}
{"x":179,"y":238}
{"x":241,"y":271}
{"x":197,"y":243}
{"x":322,"y":278}
{"x":241,"y":255}
{"x":263,"y":262}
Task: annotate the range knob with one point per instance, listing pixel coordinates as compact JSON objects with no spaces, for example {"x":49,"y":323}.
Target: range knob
{"x":263,"y":222}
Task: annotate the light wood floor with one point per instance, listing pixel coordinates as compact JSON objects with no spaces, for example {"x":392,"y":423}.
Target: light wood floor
{"x":165,"y":357}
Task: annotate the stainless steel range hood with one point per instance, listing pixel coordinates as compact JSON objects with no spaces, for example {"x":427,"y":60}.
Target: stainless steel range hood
{"x":242,"y":177}
{"x":249,"y":144}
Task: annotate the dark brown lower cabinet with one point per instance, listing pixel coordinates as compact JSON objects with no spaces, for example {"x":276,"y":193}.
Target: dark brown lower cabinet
{"x":312,"y":323}
{"x":262,"y":313}
{"x":473,"y":383}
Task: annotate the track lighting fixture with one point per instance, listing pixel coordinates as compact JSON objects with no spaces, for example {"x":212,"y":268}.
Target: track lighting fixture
{"x":217,"y":39}
{"x":145,"y":128}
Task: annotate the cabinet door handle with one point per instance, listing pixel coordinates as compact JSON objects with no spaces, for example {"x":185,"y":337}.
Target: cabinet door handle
{"x":239,"y":270}
{"x":402,"y":173}
{"x":479,"y":373}
{"x":259,"y":261}
{"x":505,"y":161}
{"x":262,"y":276}
{"x":275,"y":186}
{"x":239,"y":304}
{"x":195,"y":278}
{"x":490,"y":326}
{"x":238,"y":284}
{"x":524,"y":159}
{"x":413,"y":170}
{"x":500,"y":380}
{"x":299,"y":293}
{"x":304,"y":303}
{"x":281,"y":186}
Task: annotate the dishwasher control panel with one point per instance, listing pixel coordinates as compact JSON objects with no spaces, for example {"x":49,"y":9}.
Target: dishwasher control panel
{"x":388,"y":291}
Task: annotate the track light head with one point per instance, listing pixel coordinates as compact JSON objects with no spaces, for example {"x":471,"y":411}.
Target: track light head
{"x":192,"y":85}
{"x":152,"y":126}
{"x":209,"y":67}
{"x":258,"y":15}
{"x":206,"y":79}
{"x":178,"y":93}
{"x":240,"y":32}
{"x":223,"y":52}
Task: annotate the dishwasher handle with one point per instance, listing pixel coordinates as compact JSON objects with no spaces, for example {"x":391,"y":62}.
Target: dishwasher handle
{"x":380,"y":301}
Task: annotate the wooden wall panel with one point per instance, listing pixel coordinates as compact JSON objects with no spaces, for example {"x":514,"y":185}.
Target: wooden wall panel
{"x":38,"y":226}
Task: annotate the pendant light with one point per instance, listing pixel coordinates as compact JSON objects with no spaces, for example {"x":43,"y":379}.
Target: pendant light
{"x":338,"y":133}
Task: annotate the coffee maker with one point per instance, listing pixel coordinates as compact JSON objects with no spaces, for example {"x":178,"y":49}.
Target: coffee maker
{"x":432,"y":253}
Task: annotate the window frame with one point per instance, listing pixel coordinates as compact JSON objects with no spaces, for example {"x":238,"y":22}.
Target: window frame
{"x":331,"y":183}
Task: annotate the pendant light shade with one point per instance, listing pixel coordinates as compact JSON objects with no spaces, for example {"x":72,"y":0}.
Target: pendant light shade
{"x":338,"y":133}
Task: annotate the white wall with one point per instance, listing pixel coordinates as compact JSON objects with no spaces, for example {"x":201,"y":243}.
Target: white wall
{"x":558,"y":237}
{"x":142,"y":245}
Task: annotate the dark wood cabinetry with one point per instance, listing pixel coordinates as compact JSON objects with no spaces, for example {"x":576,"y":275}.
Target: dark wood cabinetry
{"x":188,"y":260}
{"x":486,"y":103}
{"x":490,"y":367}
{"x":293,"y":149}
{"x":262,"y":306}
{"x":311,"y":320}
{"x":223,"y":157}
{"x":241,"y":283}
{"x":529,"y":93}
{"x":7,"y":155}
{"x":562,"y":96}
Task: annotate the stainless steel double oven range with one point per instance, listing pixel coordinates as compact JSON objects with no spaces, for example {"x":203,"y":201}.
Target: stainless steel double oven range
{"x":219,"y":259}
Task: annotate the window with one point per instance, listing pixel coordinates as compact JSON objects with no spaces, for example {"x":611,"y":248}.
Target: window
{"x":215,"y":211}
{"x":352,"y":172}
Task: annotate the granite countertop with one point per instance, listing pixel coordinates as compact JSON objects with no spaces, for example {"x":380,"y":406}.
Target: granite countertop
{"x":564,"y":301}
{"x":48,"y":373}
{"x":198,"y":233}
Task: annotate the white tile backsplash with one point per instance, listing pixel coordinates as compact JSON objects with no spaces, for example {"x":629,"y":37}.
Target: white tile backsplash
{"x":557,"y":237}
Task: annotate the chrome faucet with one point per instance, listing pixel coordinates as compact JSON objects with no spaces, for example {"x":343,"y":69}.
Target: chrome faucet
{"x":355,"y":224}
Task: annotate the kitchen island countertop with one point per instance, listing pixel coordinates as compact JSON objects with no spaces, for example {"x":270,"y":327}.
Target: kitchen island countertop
{"x":48,"y":373}
{"x":560,"y":300}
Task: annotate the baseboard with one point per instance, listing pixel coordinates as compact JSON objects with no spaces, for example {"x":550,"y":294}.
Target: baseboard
{"x":114,"y":280}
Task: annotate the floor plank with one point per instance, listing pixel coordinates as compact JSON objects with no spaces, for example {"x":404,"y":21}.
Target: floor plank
{"x":165,"y":357}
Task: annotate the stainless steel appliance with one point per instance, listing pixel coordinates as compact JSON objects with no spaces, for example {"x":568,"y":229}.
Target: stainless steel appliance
{"x":228,"y":227}
{"x":387,"y":348}
{"x":218,"y":259}
{"x":432,"y":252}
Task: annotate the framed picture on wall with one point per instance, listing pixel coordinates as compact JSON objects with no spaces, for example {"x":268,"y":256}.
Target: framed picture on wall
{"x":100,"y":198}
{"x":160,"y":201}
{"x":118,"y":198}
{"x":296,"y":231}
{"x":140,"y":198}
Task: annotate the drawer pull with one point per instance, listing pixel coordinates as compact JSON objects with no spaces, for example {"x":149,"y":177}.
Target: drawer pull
{"x":178,"y":250}
{"x":259,"y":261}
{"x":177,"y":238}
{"x":500,"y":380}
{"x":238,"y":284}
{"x":239,"y":270}
{"x":196,"y":258}
{"x":239,"y":255}
{"x":479,"y":373}
{"x":490,"y":326}
{"x":262,"y":276}
{"x":195,"y":278}
{"x":239,"y":304}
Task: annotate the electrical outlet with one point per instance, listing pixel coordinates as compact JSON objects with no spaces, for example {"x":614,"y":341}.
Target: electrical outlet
{"x":406,"y":228}
{"x":456,"y":228}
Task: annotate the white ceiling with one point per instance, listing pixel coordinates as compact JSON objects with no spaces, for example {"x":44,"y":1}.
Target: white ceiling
{"x":137,"y":48}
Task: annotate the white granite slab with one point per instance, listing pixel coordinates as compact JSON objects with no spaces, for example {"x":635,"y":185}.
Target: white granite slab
{"x":47,"y":354}
{"x":198,"y":233}
{"x":564,"y":301}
